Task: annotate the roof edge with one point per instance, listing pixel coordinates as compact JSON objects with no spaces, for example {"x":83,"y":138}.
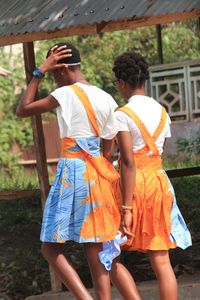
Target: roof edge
{"x":120,"y":24}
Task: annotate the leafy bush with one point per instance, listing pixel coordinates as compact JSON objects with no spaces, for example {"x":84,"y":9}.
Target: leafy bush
{"x":17,"y":179}
{"x":189,"y":146}
{"x":98,"y":53}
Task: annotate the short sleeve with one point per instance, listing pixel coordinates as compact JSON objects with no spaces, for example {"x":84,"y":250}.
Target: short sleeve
{"x":122,"y":119}
{"x":113,"y":103}
{"x":168,"y":130}
{"x":110,"y":128}
{"x":63,"y":96}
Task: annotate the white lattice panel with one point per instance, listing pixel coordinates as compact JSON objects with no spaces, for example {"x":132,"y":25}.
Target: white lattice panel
{"x":177,"y":88}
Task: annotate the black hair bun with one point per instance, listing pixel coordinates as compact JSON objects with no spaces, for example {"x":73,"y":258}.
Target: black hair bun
{"x":132,"y":68}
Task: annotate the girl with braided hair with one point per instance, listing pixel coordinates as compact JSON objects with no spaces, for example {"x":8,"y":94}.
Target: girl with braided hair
{"x":150,"y":216}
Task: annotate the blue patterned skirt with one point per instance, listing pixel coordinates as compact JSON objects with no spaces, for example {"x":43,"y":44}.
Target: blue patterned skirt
{"x":81,"y":205}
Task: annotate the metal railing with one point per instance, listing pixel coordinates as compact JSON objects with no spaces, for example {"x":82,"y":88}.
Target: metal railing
{"x":177,"y":87}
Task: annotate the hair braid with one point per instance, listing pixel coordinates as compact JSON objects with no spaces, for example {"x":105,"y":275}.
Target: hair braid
{"x":132,"y":68}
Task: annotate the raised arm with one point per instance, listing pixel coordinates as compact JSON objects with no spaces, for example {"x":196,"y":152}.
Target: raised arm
{"x":28,"y":105}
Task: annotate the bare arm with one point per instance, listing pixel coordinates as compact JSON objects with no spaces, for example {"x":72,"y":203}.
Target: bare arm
{"x":28,"y":105}
{"x":127,"y":178}
{"x":108,"y":149}
{"x":127,"y":166}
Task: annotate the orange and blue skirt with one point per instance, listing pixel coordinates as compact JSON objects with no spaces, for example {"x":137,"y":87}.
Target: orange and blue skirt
{"x":157,"y":221}
{"x":81,"y":205}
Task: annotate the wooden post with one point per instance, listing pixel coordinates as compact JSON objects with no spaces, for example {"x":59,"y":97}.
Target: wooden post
{"x":159,"y":43}
{"x":38,"y":137}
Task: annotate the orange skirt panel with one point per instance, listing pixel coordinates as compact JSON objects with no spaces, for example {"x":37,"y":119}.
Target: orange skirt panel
{"x":152,"y":206}
{"x":81,"y":205}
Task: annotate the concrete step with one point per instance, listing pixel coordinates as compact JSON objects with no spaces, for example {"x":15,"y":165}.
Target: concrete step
{"x":188,"y":287}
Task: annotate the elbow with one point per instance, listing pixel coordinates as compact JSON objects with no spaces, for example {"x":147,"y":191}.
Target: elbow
{"x":109,"y":156}
{"x":128,"y":163}
{"x":20,"y":112}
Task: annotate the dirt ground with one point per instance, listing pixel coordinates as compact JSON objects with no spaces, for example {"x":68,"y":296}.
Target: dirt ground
{"x":23,"y":271}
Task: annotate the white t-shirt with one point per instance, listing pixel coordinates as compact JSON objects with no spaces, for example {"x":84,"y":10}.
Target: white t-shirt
{"x":149,"y":112}
{"x":72,"y":117}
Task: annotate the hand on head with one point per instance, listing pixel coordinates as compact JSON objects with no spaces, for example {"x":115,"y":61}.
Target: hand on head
{"x":56,"y":53}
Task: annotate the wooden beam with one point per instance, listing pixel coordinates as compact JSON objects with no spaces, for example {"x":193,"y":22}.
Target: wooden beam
{"x":17,"y":195}
{"x":132,"y":23}
{"x":159,"y":44}
{"x":38,"y":137}
{"x":32,"y":162}
{"x":183,"y":172}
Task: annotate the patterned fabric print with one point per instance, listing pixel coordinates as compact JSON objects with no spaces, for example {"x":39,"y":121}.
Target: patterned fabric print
{"x":157,"y":221}
{"x":179,"y":231}
{"x":81,"y":204}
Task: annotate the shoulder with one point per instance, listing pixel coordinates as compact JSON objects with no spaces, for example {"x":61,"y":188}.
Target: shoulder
{"x":155,"y":103}
{"x":64,"y":92}
{"x":121,"y":115}
{"x":112,"y":102}
{"x":106,"y":97}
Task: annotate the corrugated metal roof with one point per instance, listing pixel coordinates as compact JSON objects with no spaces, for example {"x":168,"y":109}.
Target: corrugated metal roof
{"x":20,"y":17}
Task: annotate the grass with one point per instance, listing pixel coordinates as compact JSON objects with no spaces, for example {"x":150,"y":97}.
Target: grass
{"x":188,"y":197}
{"x":172,"y":163}
{"x":24,"y":272}
{"x":18,"y":180}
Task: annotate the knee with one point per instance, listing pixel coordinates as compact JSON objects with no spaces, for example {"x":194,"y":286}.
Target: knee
{"x":44,"y":250}
{"x":160,"y":262}
{"x":91,"y":252}
{"x":116,"y":265}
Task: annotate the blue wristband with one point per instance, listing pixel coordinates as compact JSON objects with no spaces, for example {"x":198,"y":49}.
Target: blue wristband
{"x":37,"y":73}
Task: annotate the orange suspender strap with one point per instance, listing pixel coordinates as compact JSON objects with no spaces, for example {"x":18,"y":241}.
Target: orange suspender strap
{"x":88,"y":107}
{"x":150,"y":141}
{"x":161,"y":125}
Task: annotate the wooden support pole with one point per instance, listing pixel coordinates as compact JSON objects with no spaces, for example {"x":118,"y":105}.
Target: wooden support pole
{"x":159,"y":44}
{"x":38,"y":137}
{"x":198,"y":25}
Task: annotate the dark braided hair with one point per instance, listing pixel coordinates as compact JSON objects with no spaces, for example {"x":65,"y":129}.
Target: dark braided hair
{"x":132,"y":68}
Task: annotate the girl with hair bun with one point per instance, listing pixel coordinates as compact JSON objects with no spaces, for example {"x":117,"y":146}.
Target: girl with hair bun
{"x":150,"y":216}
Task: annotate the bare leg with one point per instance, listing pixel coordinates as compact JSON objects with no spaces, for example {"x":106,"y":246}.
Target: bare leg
{"x":55,"y":257}
{"x":167,"y":281}
{"x":100,"y":277}
{"x":123,"y":281}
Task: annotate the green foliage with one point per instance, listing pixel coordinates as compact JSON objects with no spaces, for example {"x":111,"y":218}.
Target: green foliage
{"x":188,"y":197}
{"x":180,"y":41}
{"x":23,"y":270}
{"x":12,"y":129}
{"x":98,"y":53}
{"x":17,"y":179}
{"x":171,"y":163}
{"x":189,"y":147}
